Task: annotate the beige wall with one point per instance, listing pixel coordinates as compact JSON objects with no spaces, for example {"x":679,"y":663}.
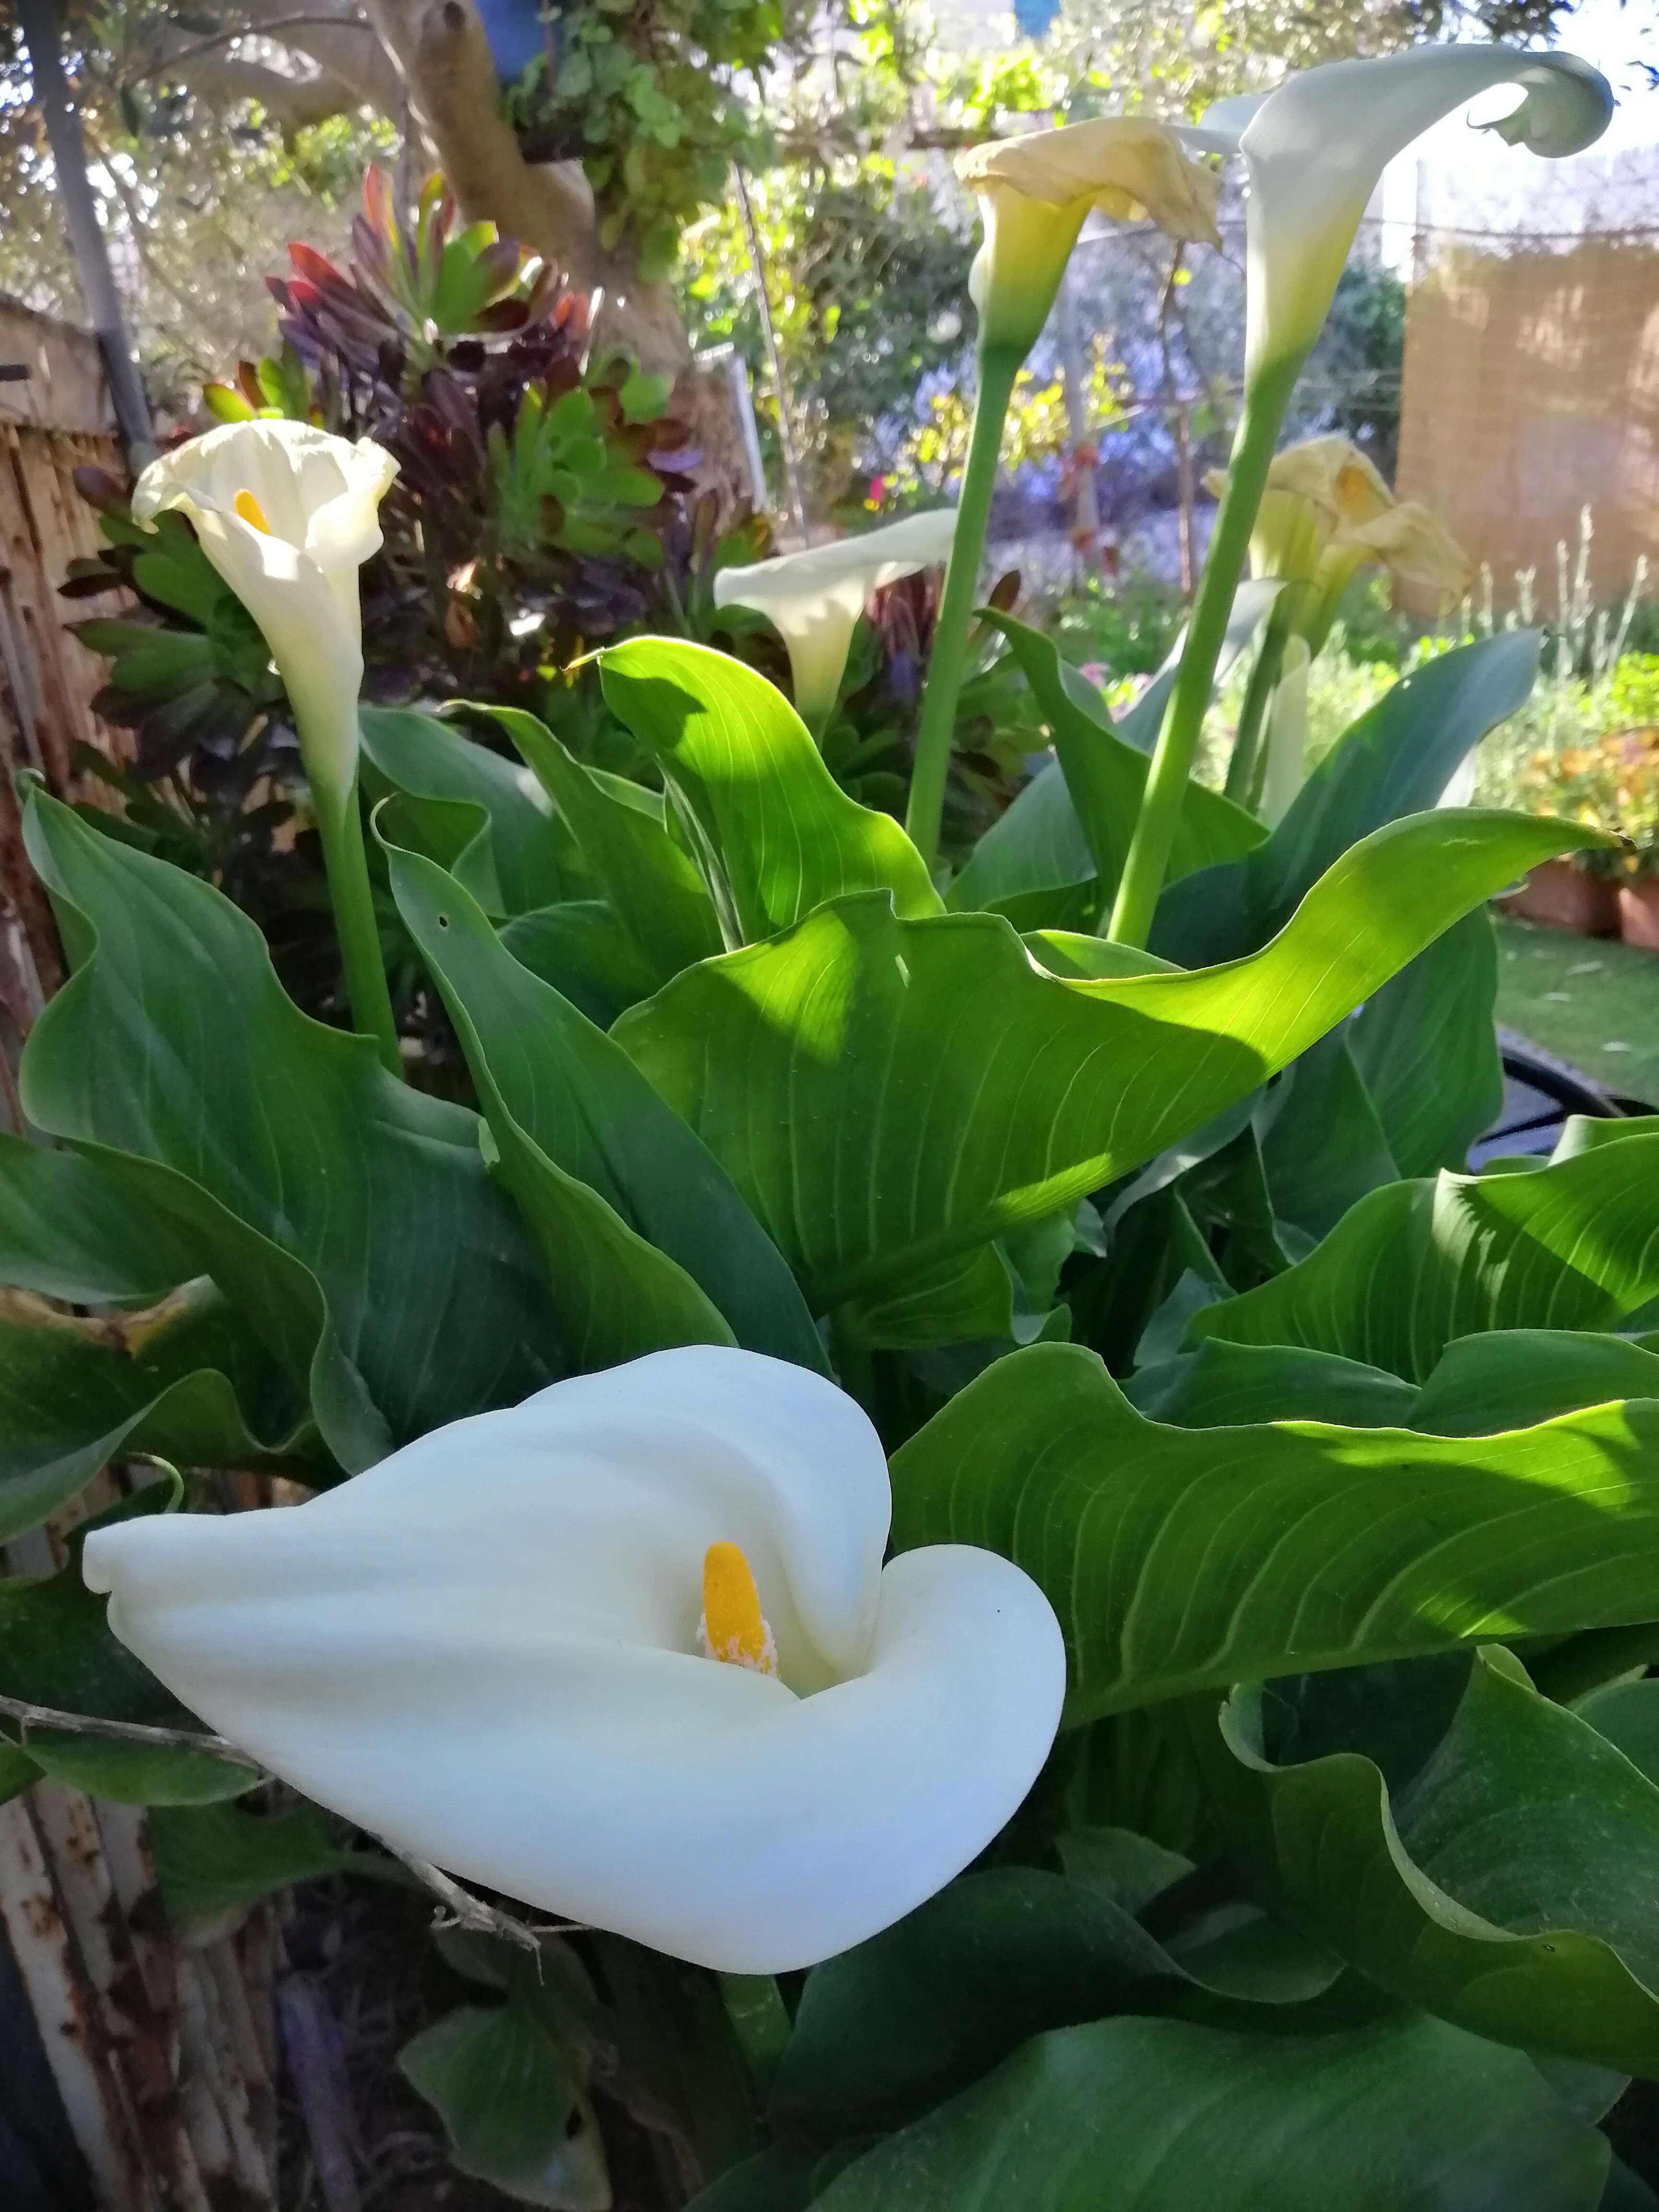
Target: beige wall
{"x":1531,"y":388}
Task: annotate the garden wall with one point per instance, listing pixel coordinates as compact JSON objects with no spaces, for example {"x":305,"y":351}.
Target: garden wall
{"x":1531,"y":389}
{"x":52,"y":419}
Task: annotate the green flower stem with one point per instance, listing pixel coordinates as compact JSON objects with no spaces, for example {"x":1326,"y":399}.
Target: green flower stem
{"x":760,"y":2020}
{"x":1177,"y":745}
{"x":1243,"y":769}
{"x":999,"y":366}
{"x":340,"y":825}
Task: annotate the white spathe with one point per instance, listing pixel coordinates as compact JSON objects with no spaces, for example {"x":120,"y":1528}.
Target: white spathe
{"x":1315,"y":149}
{"x":484,"y":1650}
{"x":813,"y":599}
{"x":1035,"y":192}
{"x":288,"y":514}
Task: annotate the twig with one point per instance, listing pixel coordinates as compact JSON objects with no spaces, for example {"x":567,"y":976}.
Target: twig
{"x":461,"y":1908}
{"x":28,"y":1715}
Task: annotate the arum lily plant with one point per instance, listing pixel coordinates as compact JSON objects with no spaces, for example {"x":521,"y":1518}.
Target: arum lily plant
{"x":288,"y":515}
{"x":1034,"y":193}
{"x":684,"y":1700}
{"x":814,"y":598}
{"x":1313,"y":152}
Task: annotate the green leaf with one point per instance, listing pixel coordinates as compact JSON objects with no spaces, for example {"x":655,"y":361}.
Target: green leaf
{"x":1322,"y":1148}
{"x":1570,"y":1246}
{"x":774,"y":833}
{"x":649,"y":882}
{"x":1103,"y":779}
{"x":71,"y":1227}
{"x":887,"y":1093}
{"x":184,"y":1380}
{"x":212,"y":1861}
{"x":1395,"y":760}
{"x":1426,"y":1048}
{"x":1184,"y":1559}
{"x":484,"y":818}
{"x":1516,"y":1378}
{"x":1507,"y":1887}
{"x":646,"y":1243}
{"x":888,"y":2028}
{"x":582,"y":950}
{"x":512,"y":2105}
{"x":56,"y":1649}
{"x":1408,"y":2115}
{"x":347,"y":1217}
{"x":1222,"y":1385}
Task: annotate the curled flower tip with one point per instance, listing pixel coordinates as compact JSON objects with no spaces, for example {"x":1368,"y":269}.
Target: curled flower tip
{"x":732,"y":1627}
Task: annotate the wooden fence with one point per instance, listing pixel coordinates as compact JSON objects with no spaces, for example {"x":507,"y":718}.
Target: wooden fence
{"x":136,"y":2073}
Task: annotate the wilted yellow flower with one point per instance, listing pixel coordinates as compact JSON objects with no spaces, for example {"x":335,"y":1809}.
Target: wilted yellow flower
{"x":1034,"y":192}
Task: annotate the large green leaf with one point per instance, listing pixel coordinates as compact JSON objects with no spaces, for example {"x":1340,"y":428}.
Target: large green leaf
{"x":1508,"y":1886}
{"x":774,"y":832}
{"x":485,"y":817}
{"x":582,"y":950}
{"x":72,"y":1228}
{"x":1426,"y":1048}
{"x":891,"y":2027}
{"x":348,"y":1217}
{"x":646,"y":1243}
{"x":56,"y":1651}
{"x":886,"y":1093}
{"x":1513,"y":1377}
{"x":1395,"y":760}
{"x":1189,"y":1558}
{"x":1323,"y":1147}
{"x":648,"y":879}
{"x":1101,"y":779}
{"x":185,"y":1381}
{"x":1574,"y":1245}
{"x":1222,"y":1385}
{"x":1409,"y":2115}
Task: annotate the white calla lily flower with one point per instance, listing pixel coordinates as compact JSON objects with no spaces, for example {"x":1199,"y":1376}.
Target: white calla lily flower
{"x":1036,"y":191}
{"x":288,"y":514}
{"x":1315,"y":149}
{"x":813,"y":599}
{"x":627,"y":1652}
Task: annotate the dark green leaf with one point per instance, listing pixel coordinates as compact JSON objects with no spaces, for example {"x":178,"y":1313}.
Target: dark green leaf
{"x":582,"y":950}
{"x":212,"y":1861}
{"x":71,"y":1227}
{"x":1509,"y":1886}
{"x":347,"y":1217}
{"x":1224,"y":1385}
{"x":1323,"y":1147}
{"x":514,"y":2107}
{"x":1517,"y":1376}
{"x":1160,"y":2115}
{"x":1427,"y":1050}
{"x":646,"y":1243}
{"x":647,"y":879}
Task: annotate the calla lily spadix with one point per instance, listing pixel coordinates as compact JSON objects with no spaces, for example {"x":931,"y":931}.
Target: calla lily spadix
{"x":288,"y":514}
{"x":1313,"y":153}
{"x":814,"y":598}
{"x":627,"y":1652}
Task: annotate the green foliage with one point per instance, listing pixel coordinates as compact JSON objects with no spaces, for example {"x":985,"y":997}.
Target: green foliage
{"x":644,"y":99}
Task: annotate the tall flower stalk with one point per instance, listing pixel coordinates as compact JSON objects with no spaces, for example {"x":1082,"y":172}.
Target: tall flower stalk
{"x":1034,"y":194}
{"x":1313,"y":152}
{"x":288,"y":515}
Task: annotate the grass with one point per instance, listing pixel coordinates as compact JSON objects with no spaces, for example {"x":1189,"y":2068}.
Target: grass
{"x":1590,"y":1001}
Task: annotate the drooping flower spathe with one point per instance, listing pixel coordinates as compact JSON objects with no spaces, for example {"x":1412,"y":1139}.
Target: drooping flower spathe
{"x":627,"y":1652}
{"x":814,"y":598}
{"x":1315,"y":148}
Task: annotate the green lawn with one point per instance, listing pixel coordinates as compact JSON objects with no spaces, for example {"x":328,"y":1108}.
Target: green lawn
{"x":1590,"y":1001}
